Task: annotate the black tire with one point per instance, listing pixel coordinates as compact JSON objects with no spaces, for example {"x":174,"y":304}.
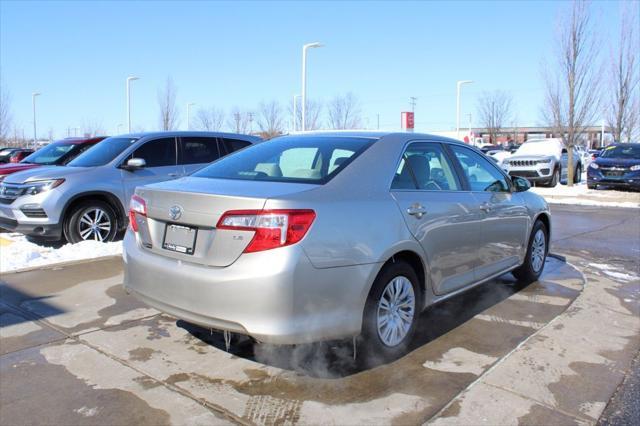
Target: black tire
{"x":555,"y":178}
{"x":75,"y":230}
{"x":577,"y":178}
{"x":527,"y":272}
{"x":375,"y":347}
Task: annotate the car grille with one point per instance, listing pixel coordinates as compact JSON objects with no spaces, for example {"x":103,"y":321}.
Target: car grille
{"x":613,"y":171}
{"x":522,"y":163}
{"x":34,"y":213}
{"x":9,"y":192}
{"x":524,"y":173}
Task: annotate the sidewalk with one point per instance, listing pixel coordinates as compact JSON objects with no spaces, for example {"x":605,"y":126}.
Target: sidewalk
{"x":567,"y":371}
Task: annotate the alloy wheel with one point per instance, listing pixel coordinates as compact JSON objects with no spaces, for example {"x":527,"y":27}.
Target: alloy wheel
{"x":396,"y":311}
{"x":538,"y":250}
{"x":94,"y":224}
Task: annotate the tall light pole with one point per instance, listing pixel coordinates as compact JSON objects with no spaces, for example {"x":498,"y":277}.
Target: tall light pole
{"x":458,"y":85}
{"x":35,"y":133}
{"x":189,"y":105}
{"x":129,"y":80}
{"x":295,"y":112}
{"x":304,"y":80}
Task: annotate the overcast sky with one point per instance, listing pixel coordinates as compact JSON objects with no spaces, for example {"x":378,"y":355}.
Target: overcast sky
{"x":78,"y":55}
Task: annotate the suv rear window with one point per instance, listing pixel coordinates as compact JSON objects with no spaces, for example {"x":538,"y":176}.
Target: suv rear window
{"x":290,"y":159}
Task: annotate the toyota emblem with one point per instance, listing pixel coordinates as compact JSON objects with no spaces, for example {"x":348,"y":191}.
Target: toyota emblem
{"x":175,"y":212}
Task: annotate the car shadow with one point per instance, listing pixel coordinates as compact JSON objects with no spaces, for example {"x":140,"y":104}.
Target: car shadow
{"x":335,"y":359}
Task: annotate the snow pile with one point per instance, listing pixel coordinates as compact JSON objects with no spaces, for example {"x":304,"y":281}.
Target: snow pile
{"x":579,"y":194}
{"x":21,"y":254}
{"x":614,"y":272}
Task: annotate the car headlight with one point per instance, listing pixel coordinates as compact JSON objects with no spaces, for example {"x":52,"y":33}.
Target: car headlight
{"x":544,"y":161}
{"x":635,"y":168}
{"x":594,"y":166}
{"x":38,"y":186}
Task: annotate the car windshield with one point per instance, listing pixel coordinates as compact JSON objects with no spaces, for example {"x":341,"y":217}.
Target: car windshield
{"x":50,"y":154}
{"x":622,"y":151}
{"x":6,"y":152}
{"x":102,"y":153}
{"x":290,"y":159}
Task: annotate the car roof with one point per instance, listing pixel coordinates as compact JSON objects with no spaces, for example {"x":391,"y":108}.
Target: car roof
{"x":407,"y":136}
{"x":184,"y":133}
{"x":81,"y":140}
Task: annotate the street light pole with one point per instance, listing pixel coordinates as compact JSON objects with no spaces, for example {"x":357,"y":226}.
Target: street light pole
{"x":129,"y":80}
{"x":304,"y":80}
{"x":458,"y":85}
{"x":35,"y":133}
{"x":189,"y":105}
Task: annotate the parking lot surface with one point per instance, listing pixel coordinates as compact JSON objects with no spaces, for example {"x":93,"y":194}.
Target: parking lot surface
{"x":76,"y":349}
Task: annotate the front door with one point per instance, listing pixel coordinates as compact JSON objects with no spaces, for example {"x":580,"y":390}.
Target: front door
{"x":160,"y":156}
{"x":439,"y":214}
{"x":505,"y":220}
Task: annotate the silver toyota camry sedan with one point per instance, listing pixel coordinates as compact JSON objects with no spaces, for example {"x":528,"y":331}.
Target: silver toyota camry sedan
{"x":328,"y":235}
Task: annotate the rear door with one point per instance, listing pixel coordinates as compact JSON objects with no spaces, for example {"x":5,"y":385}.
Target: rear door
{"x":504,"y":218}
{"x":197,"y":152}
{"x":161,"y":158}
{"x":440,"y":214}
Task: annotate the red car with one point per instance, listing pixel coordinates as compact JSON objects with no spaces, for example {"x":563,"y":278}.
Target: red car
{"x":20,"y":155}
{"x":56,"y":153}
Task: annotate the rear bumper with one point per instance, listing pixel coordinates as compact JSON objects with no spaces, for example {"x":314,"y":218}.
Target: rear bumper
{"x":275,"y":296}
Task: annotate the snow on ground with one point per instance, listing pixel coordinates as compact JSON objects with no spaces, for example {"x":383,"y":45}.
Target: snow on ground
{"x":579,"y":194}
{"x":613,"y":272}
{"x":18,"y":253}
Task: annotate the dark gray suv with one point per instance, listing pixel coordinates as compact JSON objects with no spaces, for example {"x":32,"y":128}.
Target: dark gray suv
{"x":86,"y":200}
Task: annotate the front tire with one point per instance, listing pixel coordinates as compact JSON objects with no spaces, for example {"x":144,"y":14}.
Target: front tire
{"x":391,"y":312}
{"x":554,"y":178}
{"x":91,"y":220}
{"x":578,"y":175}
{"x":537,"y":252}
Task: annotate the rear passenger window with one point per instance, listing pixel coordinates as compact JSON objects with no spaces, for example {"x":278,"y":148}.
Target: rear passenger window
{"x":233,"y":145}
{"x":338,"y":158}
{"x":158,"y":153}
{"x":199,"y":150}
{"x":425,"y":166}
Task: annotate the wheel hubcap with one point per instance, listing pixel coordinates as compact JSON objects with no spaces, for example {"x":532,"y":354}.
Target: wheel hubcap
{"x":396,"y":310}
{"x":538,"y":250}
{"x":94,"y":224}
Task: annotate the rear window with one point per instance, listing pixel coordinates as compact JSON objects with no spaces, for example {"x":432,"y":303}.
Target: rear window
{"x":290,"y":159}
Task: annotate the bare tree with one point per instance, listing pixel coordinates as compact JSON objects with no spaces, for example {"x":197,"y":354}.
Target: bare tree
{"x":494,"y":111}
{"x":624,"y":78}
{"x":91,"y":128}
{"x":167,"y":104}
{"x":240,"y":120}
{"x":270,"y":119}
{"x":344,"y":112}
{"x":5,"y":113}
{"x":313,"y":111}
{"x":573,"y":91}
{"x":211,"y":119}
{"x":632,"y":130}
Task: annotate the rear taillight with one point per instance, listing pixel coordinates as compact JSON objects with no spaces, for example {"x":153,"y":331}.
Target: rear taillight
{"x":137,"y":205}
{"x":273,"y":228}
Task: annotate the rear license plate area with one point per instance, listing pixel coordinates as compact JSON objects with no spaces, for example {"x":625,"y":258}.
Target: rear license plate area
{"x":179,"y":238}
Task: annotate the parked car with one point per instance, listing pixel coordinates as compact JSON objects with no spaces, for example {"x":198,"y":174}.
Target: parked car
{"x":87,"y":198}
{"x":542,"y":161}
{"x":20,"y":155}
{"x":489,"y":147}
{"x":594,"y":153}
{"x":5,"y":154}
{"x":329,"y":235}
{"x":617,"y":166}
{"x":55,"y":154}
{"x":499,"y":156}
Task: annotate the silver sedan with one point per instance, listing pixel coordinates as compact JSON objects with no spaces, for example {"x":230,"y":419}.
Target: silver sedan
{"x":328,"y":235}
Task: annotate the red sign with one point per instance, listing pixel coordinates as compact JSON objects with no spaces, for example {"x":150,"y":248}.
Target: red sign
{"x":407,"y":120}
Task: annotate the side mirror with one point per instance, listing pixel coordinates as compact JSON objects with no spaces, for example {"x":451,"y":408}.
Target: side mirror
{"x":135,"y":164}
{"x":520,"y":183}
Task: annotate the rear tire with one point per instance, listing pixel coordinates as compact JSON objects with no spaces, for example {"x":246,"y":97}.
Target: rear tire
{"x":536,"y":255}
{"x":391,"y":312}
{"x":91,"y":220}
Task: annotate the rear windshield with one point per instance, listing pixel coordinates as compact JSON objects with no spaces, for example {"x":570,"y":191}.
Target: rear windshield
{"x":289,"y":159}
{"x":622,"y":151}
{"x":102,"y":153}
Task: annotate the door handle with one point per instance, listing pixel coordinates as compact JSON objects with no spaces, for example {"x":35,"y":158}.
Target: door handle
{"x":417,"y":210}
{"x":174,"y":174}
{"x":485,"y":207}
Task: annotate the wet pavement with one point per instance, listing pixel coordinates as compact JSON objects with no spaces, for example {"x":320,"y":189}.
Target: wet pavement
{"x":75,"y":349}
